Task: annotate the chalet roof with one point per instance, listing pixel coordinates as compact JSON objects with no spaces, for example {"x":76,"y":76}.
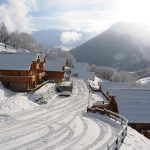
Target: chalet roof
{"x":17,"y":61}
{"x":82,"y":69}
{"x":82,"y":65}
{"x":87,"y":75}
{"x":133,"y":102}
{"x":135,"y":109}
{"x":55,"y":64}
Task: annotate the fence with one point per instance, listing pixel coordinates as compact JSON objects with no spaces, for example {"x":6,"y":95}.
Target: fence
{"x":118,"y":140}
{"x":98,"y":90}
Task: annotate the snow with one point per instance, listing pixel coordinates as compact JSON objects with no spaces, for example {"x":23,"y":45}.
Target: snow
{"x":17,"y":61}
{"x":66,"y":83}
{"x":55,"y":64}
{"x":135,"y":141}
{"x":133,"y":102}
{"x":10,"y":49}
{"x":7,"y":50}
{"x":11,"y":102}
{"x":60,"y":124}
{"x":144,"y":81}
{"x":95,"y":84}
{"x":82,"y":71}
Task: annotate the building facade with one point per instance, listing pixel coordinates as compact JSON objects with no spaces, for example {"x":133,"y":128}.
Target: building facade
{"x":21,"y":71}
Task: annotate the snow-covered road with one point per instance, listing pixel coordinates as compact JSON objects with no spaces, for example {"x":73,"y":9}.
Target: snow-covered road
{"x":61,"y":124}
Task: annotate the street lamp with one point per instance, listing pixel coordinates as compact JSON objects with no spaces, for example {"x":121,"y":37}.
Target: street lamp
{"x":89,"y":99}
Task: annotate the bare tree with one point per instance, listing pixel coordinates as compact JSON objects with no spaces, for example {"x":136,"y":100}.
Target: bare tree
{"x":58,"y":52}
{"x":112,"y":74}
{"x":4,"y":35}
{"x":25,"y":41}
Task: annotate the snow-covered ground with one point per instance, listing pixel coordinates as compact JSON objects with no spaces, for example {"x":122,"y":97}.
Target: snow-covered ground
{"x":10,"y":49}
{"x":61,"y":124}
{"x":97,"y":96}
{"x":11,"y":102}
{"x":135,"y":141}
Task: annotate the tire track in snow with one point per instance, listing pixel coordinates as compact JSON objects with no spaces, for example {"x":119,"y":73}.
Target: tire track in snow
{"x":63,"y":113}
{"x":75,"y":139}
{"x":51,"y":137}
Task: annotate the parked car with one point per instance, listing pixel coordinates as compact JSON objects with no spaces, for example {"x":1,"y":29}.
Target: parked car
{"x":65,"y":94}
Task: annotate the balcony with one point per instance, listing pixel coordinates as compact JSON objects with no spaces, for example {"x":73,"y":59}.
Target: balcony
{"x":18,"y":78}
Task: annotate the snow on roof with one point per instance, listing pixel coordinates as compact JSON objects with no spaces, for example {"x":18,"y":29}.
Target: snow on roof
{"x":82,"y":69}
{"x":114,"y":85}
{"x":16,"y":61}
{"x":55,"y":64}
{"x":133,"y":102}
{"x":144,"y":81}
{"x":82,"y":65}
{"x":21,"y":50}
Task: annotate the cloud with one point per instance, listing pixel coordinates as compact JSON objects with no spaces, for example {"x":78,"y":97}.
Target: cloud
{"x":30,"y":15}
{"x":70,"y":37}
{"x":79,"y":4}
{"x":15,"y":15}
{"x":86,"y":21}
{"x":79,"y":15}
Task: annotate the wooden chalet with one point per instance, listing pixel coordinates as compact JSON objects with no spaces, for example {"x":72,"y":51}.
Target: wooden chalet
{"x":21,"y":71}
{"x":131,"y":102}
{"x":54,"y":69}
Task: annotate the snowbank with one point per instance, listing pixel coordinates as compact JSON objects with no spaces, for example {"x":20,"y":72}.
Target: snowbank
{"x":11,"y":102}
{"x":47,"y":92}
{"x":14,"y":102}
{"x":94,"y":84}
{"x":135,"y":141}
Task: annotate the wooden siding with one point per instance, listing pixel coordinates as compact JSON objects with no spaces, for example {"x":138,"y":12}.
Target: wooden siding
{"x":22,"y":80}
{"x":143,"y":128}
{"x":58,"y":76}
{"x":146,"y":133}
{"x":18,"y":78}
{"x":112,"y":105}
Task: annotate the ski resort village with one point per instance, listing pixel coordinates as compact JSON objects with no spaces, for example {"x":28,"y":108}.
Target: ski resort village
{"x":47,"y":103}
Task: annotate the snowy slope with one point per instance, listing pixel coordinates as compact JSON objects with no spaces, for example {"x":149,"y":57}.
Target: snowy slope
{"x":11,"y":102}
{"x":10,"y":49}
{"x":62,"y":124}
{"x":135,"y":141}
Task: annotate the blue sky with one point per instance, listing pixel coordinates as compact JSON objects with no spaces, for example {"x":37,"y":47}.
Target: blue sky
{"x":80,"y":15}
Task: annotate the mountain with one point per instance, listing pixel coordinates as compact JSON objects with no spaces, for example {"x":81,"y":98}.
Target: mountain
{"x":123,"y":46}
{"x":67,"y":38}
